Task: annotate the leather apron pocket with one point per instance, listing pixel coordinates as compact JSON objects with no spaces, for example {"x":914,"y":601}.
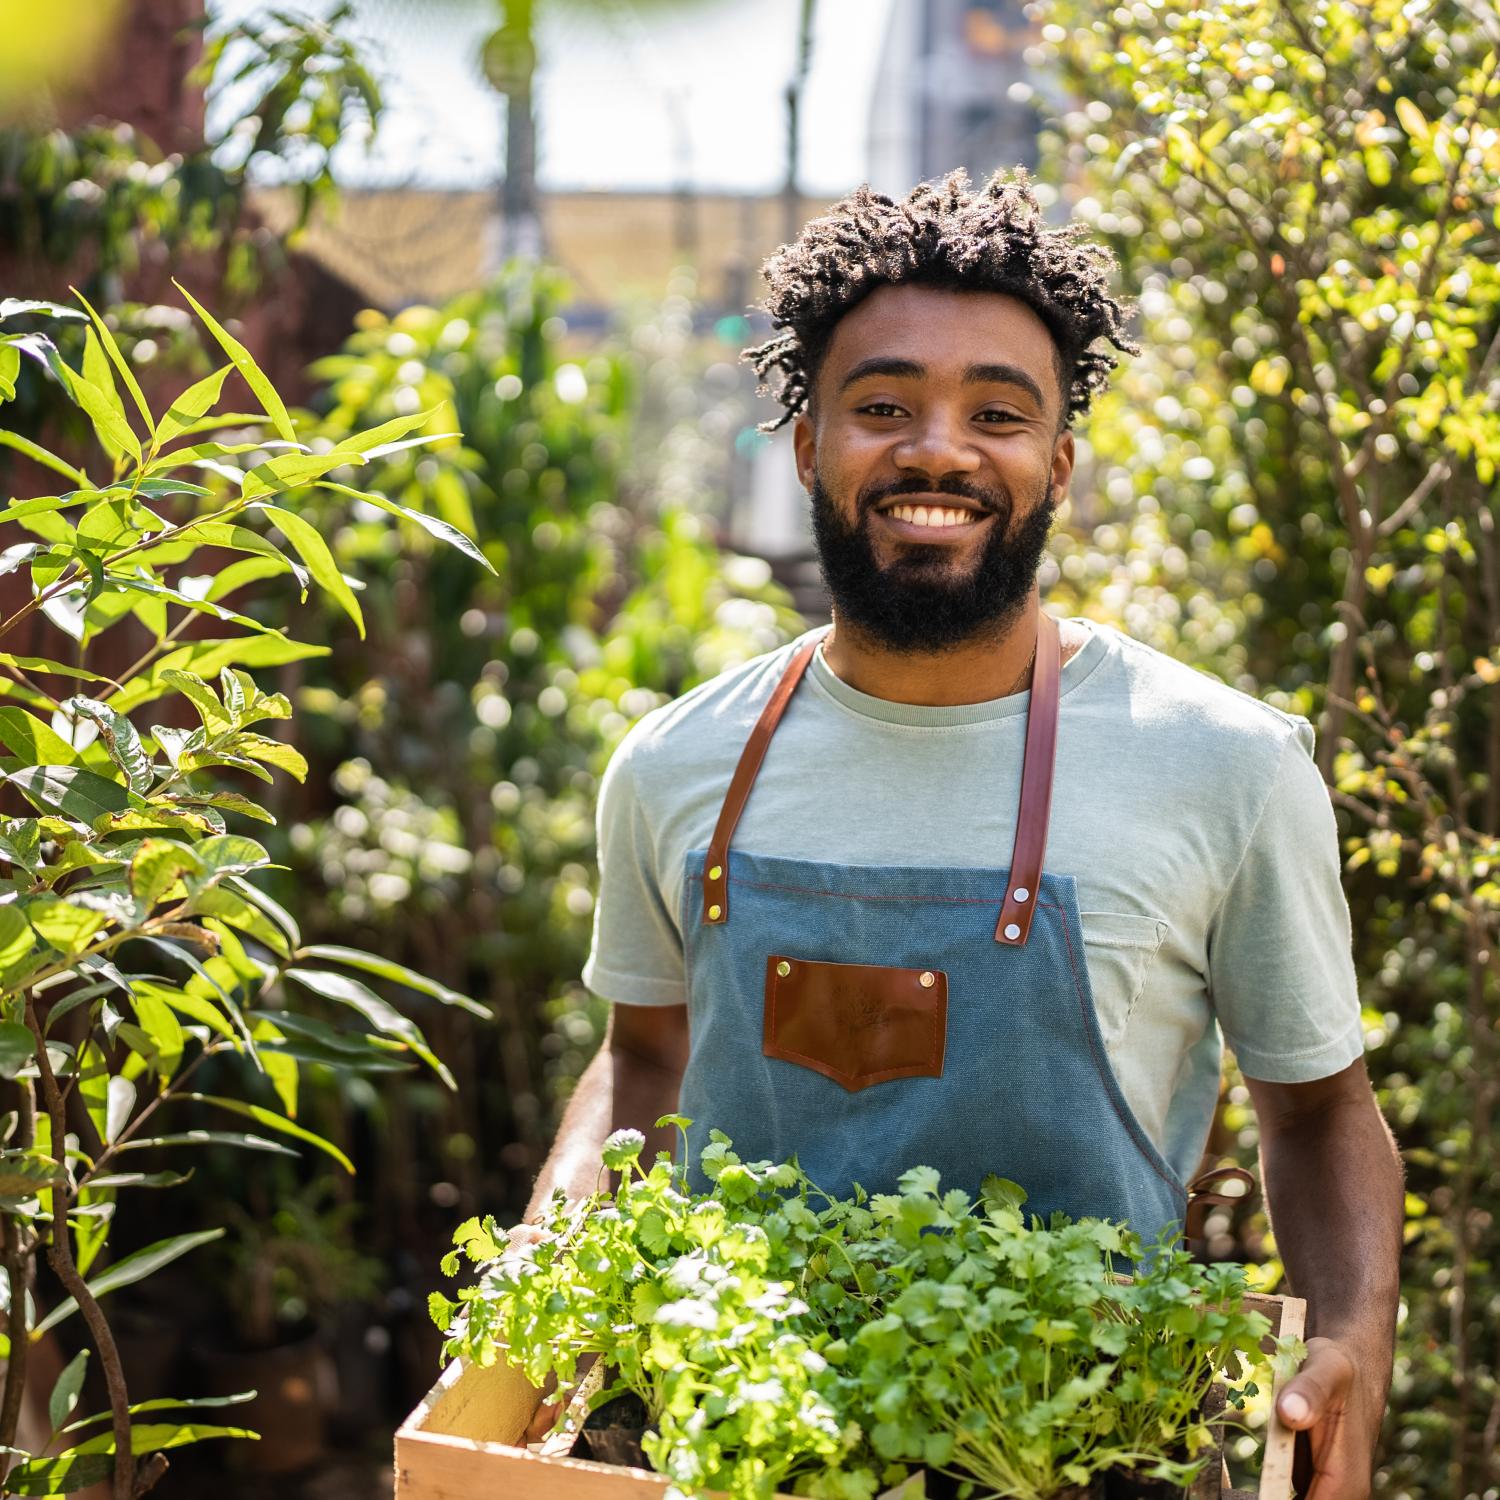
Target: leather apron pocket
{"x":857,"y":1024}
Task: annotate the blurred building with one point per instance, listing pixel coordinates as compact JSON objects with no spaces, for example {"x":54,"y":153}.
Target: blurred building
{"x":397,"y":246}
{"x":953,"y":90}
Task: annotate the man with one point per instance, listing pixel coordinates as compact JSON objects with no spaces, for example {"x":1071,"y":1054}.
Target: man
{"x":807,"y":922}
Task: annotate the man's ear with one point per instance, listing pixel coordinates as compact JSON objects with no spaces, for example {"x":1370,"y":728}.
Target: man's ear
{"x":1064,"y":453}
{"x":805,"y":449}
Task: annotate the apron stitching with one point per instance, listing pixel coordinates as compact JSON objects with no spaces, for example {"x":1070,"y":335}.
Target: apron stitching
{"x":1132,"y":1127}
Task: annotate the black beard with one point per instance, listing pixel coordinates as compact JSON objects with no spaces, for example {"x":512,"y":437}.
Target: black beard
{"x":917,"y":603}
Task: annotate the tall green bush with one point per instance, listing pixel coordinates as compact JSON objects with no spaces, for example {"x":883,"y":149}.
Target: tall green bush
{"x":134,"y":946}
{"x":1295,"y":488}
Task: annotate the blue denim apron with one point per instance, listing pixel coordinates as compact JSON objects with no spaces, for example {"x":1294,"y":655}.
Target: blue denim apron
{"x":867,"y":1018}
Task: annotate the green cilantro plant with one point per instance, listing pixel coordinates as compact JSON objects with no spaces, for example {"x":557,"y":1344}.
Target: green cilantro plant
{"x":785,"y":1340}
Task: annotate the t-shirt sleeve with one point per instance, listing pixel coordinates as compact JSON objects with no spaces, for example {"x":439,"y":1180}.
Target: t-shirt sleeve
{"x":1281,"y":967}
{"x":636,"y":954}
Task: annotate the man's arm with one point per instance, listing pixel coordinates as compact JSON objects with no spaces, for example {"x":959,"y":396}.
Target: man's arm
{"x":1333,"y":1182}
{"x":632,"y":1082}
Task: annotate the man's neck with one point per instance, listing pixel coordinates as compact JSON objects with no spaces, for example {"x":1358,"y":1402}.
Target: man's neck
{"x":972,"y":672}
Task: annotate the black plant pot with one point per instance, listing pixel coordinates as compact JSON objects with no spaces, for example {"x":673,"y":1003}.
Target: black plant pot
{"x":612,"y":1433}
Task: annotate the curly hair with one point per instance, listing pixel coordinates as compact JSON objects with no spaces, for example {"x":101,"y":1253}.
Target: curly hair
{"x":942,"y":234}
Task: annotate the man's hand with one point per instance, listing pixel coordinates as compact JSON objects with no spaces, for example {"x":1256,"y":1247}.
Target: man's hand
{"x":1327,"y":1401}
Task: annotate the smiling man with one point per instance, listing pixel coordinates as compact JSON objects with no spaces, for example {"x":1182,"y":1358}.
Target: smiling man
{"x":959,"y":883}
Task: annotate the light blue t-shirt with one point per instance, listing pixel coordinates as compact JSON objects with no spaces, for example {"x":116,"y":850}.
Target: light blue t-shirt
{"x":1191,"y":815}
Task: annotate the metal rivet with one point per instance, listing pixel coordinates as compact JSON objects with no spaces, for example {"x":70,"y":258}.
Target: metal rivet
{"x":714,"y":873}
{"x":783,"y":968}
{"x":713,"y":913}
{"x":927,"y":980}
{"x":1021,"y":893}
{"x":1012,"y":931}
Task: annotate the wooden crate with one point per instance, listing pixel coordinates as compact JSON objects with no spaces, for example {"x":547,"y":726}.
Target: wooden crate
{"x":464,"y":1442}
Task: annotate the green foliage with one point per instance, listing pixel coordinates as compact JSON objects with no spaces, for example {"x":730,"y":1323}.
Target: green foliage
{"x":134,"y":946}
{"x":1295,"y":488}
{"x":489,"y":701}
{"x":780,"y":1337}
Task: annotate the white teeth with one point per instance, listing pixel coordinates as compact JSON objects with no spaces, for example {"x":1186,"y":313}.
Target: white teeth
{"x":930,"y":515}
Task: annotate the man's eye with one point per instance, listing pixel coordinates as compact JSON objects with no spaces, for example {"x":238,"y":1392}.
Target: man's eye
{"x":1002,"y":416}
{"x":882,"y":409}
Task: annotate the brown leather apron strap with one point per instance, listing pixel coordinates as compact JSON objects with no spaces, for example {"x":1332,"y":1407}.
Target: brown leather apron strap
{"x":1035,"y":811}
{"x":716,"y":868}
{"x":1032,"y":817}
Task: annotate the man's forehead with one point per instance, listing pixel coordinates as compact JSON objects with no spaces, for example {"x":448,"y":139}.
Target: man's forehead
{"x":946,"y":330}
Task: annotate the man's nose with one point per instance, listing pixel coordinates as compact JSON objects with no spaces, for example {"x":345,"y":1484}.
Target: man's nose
{"x":937,"y":445}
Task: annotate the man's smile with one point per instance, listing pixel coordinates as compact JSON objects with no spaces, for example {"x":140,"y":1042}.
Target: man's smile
{"x":931,"y":518}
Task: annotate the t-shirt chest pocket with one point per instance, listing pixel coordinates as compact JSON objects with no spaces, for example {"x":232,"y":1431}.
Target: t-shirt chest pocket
{"x":1121,"y":949}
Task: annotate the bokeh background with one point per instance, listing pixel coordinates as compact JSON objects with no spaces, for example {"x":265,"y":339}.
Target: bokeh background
{"x":546,"y":218}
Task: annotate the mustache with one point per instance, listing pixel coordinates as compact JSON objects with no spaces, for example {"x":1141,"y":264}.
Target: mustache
{"x":989,"y":500}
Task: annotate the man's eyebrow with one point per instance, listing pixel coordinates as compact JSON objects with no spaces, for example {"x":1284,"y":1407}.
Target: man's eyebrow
{"x":1005,"y":375}
{"x":910,"y":369}
{"x":882,"y":364}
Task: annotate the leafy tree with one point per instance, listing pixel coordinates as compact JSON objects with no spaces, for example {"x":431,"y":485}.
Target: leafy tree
{"x":1307,"y":200}
{"x":134,"y":946}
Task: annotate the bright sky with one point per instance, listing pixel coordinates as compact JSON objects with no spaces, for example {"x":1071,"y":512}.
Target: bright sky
{"x":632,"y":93}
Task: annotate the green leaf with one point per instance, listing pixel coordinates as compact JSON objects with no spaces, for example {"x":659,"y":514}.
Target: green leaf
{"x":17,"y":944}
{"x":23,"y":1174}
{"x":220,"y":901}
{"x":102,"y":409}
{"x":74,"y":792}
{"x":140,"y":1179}
{"x":59,"y":1476}
{"x":44,"y":664}
{"x":40,"y":505}
{"x":433,"y":524}
{"x":155,"y":868}
{"x":381,"y":1014}
{"x":242,"y":539}
{"x":279,"y":1123}
{"x":42,"y":456}
{"x":203,"y":698}
{"x":191,"y":405}
{"x":130,"y":1269}
{"x":313,"y":550}
{"x":66,"y":924}
{"x":117,"y":359}
{"x":10,"y":368}
{"x":120,"y":740}
{"x":273,"y":752}
{"x":64,"y":1395}
{"x":150,"y":1437}
{"x":97,"y":372}
{"x":14,"y":307}
{"x":253,"y":375}
{"x":165,"y":1403}
{"x":17,"y":1048}
{"x":230,"y":854}
{"x":160,"y":1023}
{"x":208,"y":1138}
{"x":386,"y":968}
{"x":28,"y":738}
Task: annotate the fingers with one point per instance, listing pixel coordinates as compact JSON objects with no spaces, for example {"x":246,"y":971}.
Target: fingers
{"x":1319,"y":1388}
